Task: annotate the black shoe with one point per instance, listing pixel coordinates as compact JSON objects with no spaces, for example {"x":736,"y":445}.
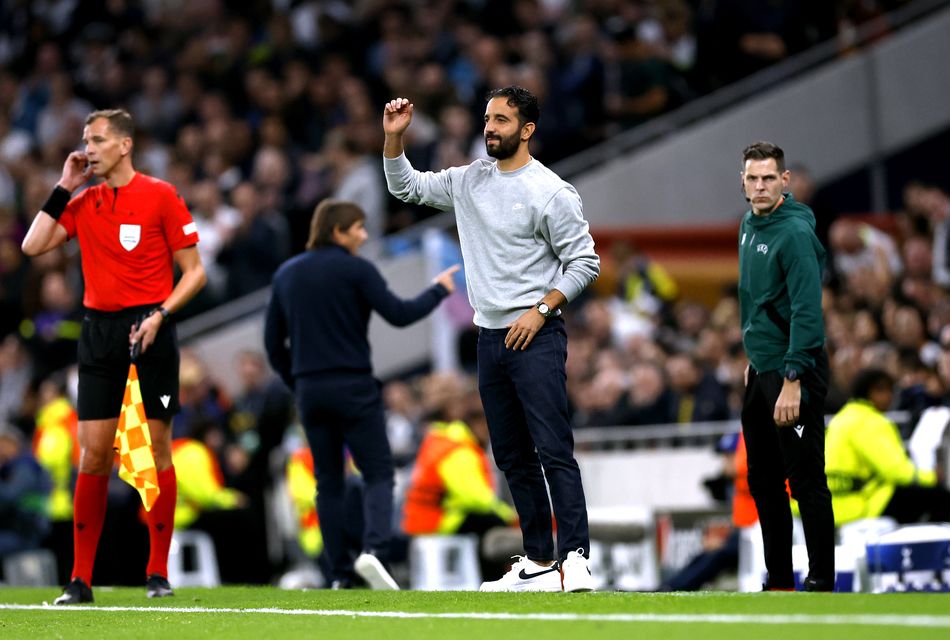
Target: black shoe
{"x":339,"y":585}
{"x":768,"y":587}
{"x":157,"y":586}
{"x":76,"y":592}
{"x":817,"y":584}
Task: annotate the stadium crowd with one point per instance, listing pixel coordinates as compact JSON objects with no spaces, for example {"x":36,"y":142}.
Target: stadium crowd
{"x":257,"y":111}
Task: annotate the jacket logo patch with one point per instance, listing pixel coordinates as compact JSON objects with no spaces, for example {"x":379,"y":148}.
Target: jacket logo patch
{"x":762,"y":248}
{"x":165,"y":400}
{"x":129,"y":235}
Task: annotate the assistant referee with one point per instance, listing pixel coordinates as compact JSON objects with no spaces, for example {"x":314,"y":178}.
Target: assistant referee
{"x":132,"y":230}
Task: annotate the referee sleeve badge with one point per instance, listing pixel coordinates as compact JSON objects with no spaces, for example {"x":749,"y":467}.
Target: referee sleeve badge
{"x":133,"y":443}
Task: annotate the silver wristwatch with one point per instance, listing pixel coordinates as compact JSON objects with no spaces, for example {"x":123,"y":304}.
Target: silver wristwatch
{"x":544,"y":309}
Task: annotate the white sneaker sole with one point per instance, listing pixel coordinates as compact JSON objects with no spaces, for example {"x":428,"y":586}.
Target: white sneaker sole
{"x":369,"y":568}
{"x":527,"y":586}
{"x":584,"y":584}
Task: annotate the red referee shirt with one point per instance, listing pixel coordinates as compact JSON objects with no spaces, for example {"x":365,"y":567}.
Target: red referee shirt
{"x":127,"y":236}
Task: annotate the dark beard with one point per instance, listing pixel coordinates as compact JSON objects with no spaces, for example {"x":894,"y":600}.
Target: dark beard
{"x":506,"y":148}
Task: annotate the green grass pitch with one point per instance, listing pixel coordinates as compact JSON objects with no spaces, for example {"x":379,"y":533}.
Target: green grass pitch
{"x":267,"y":613}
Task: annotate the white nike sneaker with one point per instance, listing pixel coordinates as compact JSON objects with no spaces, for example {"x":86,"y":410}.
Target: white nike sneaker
{"x":527,"y":575}
{"x":577,"y":575}
{"x":370,"y":569}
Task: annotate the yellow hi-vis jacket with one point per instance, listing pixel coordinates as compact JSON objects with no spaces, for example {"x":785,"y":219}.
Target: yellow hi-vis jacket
{"x":200,"y":482}
{"x":450,"y":480}
{"x":56,"y":448}
{"x":302,"y":487}
{"x":864,"y":461}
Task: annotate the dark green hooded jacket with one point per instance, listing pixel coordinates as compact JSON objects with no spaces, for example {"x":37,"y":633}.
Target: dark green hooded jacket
{"x":780,"y":264}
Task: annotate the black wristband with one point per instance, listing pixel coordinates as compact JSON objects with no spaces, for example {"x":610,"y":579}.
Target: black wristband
{"x":56,"y":203}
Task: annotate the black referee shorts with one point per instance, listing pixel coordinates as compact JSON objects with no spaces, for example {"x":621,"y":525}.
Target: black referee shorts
{"x":104,"y":366}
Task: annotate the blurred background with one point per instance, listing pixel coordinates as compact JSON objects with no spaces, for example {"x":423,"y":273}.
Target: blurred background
{"x":257,"y":110}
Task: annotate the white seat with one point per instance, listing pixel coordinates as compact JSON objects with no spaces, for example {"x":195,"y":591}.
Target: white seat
{"x":752,"y":571}
{"x":444,"y":563}
{"x":192,"y":561}
{"x":35,"y":568}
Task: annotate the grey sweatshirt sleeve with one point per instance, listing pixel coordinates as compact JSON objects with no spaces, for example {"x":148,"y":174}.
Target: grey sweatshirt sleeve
{"x":417,"y":187}
{"x":568,"y":233}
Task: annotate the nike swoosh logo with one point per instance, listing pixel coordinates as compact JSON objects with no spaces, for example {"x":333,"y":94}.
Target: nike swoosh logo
{"x":527,"y":576}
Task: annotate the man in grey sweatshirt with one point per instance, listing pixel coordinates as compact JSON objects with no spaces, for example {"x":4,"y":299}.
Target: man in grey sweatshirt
{"x":527,"y":252}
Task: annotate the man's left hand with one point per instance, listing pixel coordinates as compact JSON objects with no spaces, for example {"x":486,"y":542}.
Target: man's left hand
{"x":146,"y":332}
{"x":522,"y":331}
{"x":788,"y":404}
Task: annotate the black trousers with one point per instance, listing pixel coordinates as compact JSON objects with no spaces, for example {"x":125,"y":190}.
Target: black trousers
{"x":780,"y":453}
{"x":346,"y":410}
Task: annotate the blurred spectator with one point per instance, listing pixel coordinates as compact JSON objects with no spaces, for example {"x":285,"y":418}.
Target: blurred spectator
{"x":642,"y":85}
{"x":452,"y":490}
{"x":62,"y":114}
{"x":403,"y":414}
{"x":204,"y":407}
{"x":869,"y":472}
{"x":16,"y":371}
{"x":216,"y":221}
{"x":698,"y":396}
{"x":253,"y":251}
{"x":357,"y":177}
{"x":865,"y":258}
{"x":52,"y":333}
{"x":157,"y":106}
{"x":261,"y":413}
{"x":302,"y":486}
{"x":24,"y":490}
{"x":207,"y":504}
{"x":56,"y":447}
{"x":721,"y":553}
{"x":649,"y":400}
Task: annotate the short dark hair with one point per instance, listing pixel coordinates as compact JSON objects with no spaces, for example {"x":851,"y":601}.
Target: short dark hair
{"x":120,"y":121}
{"x":763,"y":151}
{"x":868,"y":380}
{"x":520,"y":98}
{"x":329,"y":215}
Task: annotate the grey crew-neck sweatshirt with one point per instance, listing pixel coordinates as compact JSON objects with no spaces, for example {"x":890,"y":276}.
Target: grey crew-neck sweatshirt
{"x":522,"y":232}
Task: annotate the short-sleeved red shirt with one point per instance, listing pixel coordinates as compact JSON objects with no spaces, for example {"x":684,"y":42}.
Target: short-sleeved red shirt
{"x":127,"y":236}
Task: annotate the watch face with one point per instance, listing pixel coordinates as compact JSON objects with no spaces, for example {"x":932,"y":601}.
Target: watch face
{"x":544,"y":309}
{"x":791,"y":375}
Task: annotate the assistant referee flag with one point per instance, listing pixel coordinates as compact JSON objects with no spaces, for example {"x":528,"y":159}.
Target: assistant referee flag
{"x":133,"y":443}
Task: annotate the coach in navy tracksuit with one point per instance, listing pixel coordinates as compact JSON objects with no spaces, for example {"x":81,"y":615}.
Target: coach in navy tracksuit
{"x":315,"y":335}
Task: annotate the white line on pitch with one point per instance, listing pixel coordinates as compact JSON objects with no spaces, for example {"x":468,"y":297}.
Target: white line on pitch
{"x":876,"y":620}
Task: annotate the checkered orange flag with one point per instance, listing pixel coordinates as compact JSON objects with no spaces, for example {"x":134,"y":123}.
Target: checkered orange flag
{"x":133,"y":443}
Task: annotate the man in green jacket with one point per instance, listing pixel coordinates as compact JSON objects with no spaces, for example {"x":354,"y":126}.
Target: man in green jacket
{"x":780,"y":262}
{"x":869,"y":472}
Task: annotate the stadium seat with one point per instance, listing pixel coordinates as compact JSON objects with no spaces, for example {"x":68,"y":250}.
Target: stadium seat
{"x":444,"y":563}
{"x":192,"y":561}
{"x":36,"y":568}
{"x":911,"y":558}
{"x":627,"y":547}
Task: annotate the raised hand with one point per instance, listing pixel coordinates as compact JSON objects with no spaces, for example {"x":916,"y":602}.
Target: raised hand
{"x":397,"y":114}
{"x":76,"y":170}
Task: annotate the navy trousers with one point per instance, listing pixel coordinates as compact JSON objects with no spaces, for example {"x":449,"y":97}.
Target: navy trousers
{"x":524,"y":395}
{"x":346,"y":410}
